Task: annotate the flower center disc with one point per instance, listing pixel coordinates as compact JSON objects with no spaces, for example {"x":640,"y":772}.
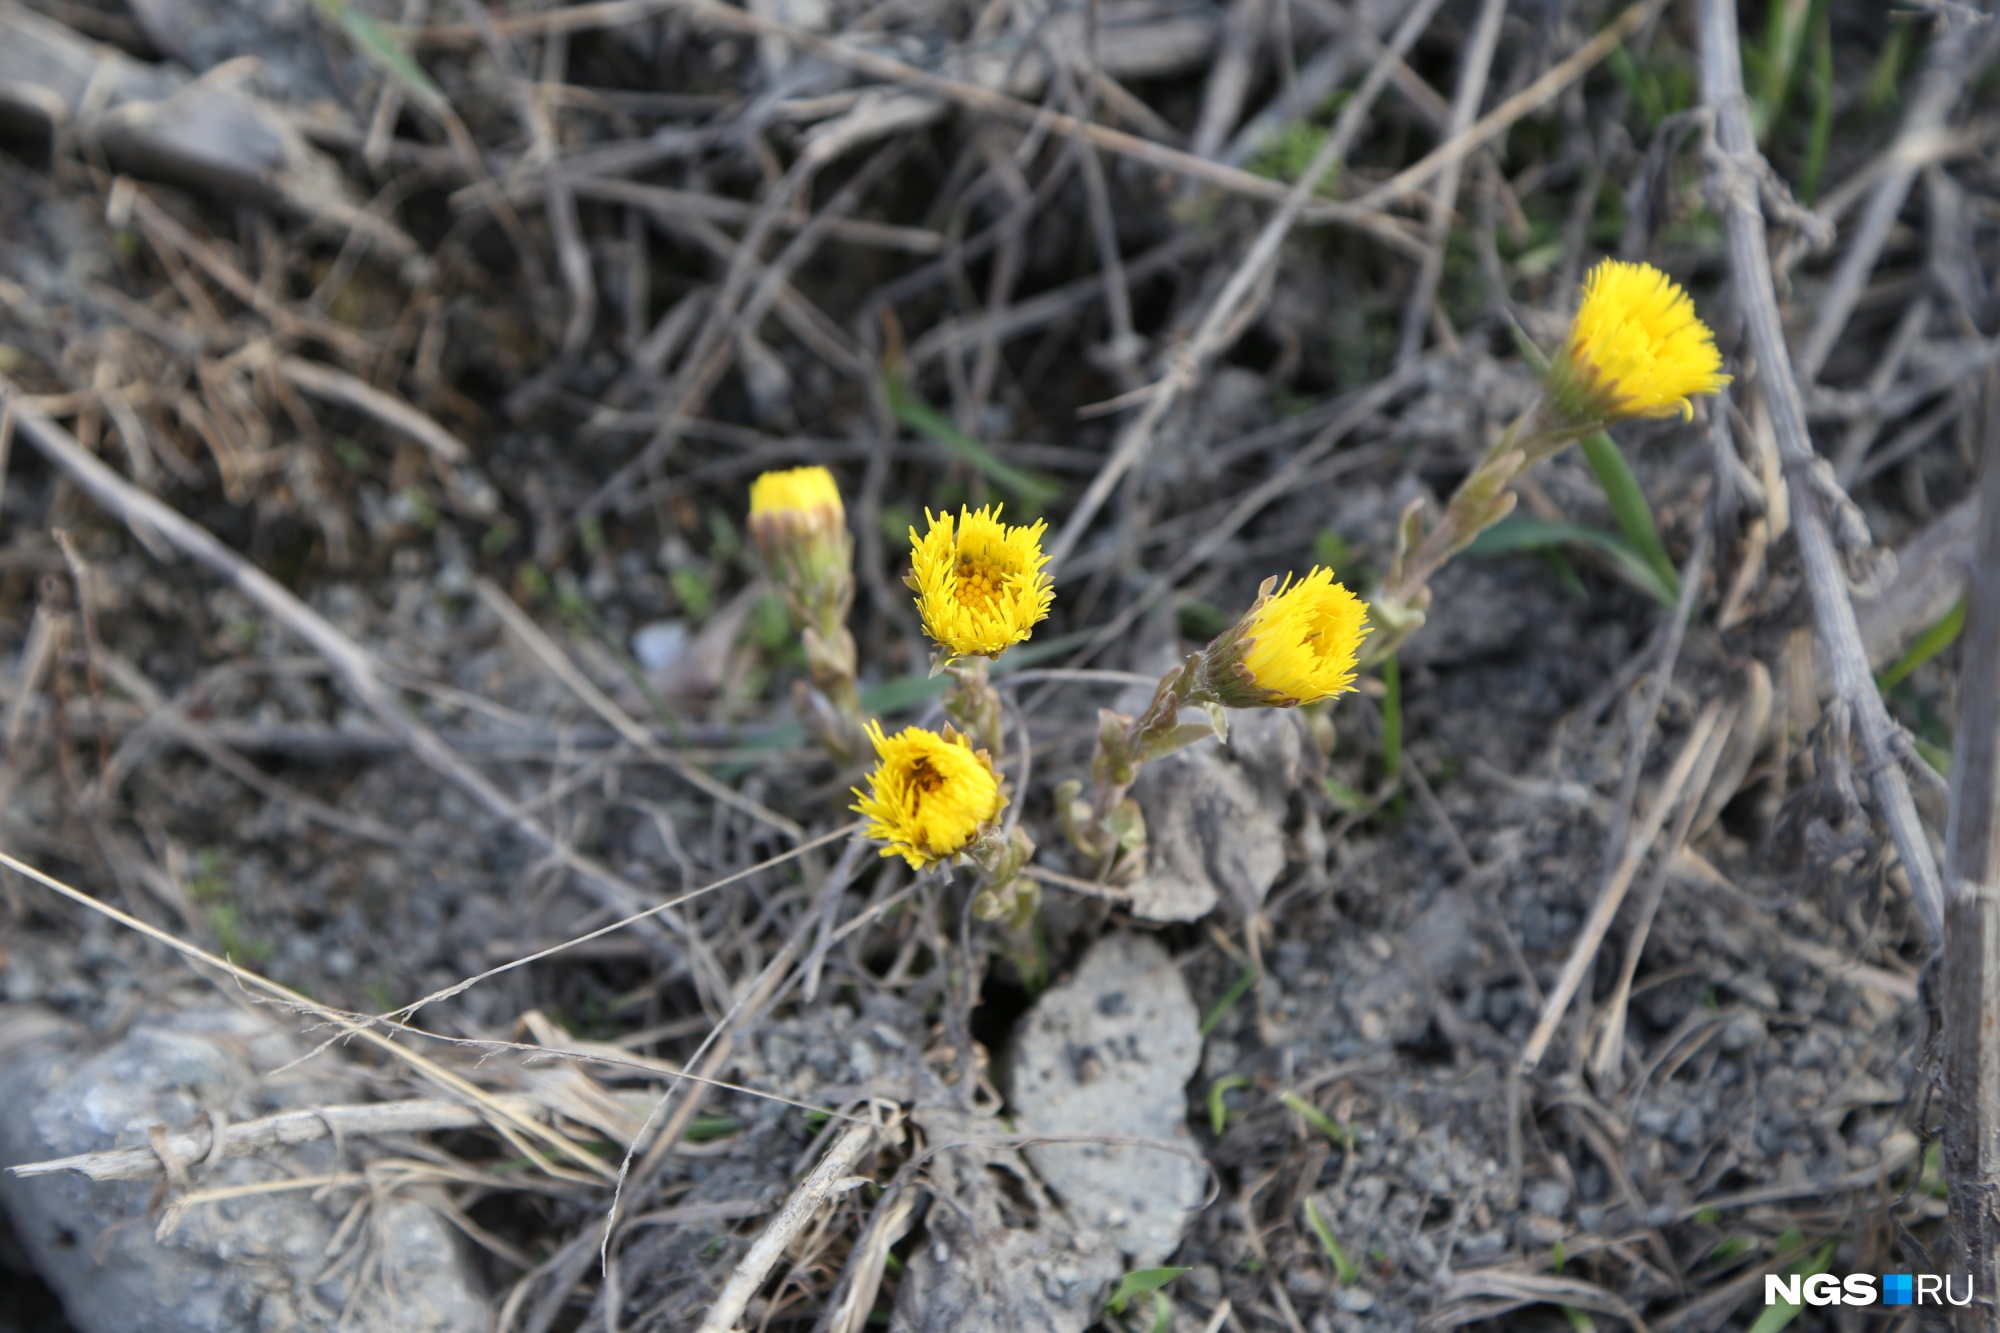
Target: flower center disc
{"x":979,"y":582}
{"x":923,"y":780}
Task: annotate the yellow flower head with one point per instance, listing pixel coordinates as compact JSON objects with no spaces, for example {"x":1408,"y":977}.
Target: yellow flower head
{"x":1296,"y":645}
{"x":1635,"y":349}
{"x":929,"y":794}
{"x":979,"y":583}
{"x":795,"y":489}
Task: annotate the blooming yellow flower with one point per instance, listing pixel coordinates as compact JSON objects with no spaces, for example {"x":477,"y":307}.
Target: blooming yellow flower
{"x":795,"y":489}
{"x":1295,"y":646}
{"x":1635,"y":349}
{"x":980,"y":585}
{"x":929,"y":794}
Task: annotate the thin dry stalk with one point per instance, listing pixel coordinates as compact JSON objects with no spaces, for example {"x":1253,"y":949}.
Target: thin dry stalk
{"x":1952,"y":51}
{"x":1584,"y":951}
{"x":1971,"y":995}
{"x":833,"y":1176}
{"x":1501,"y":118}
{"x":414,"y":1116}
{"x":1226,"y":317}
{"x":1736,"y":166}
{"x":1477,"y":64}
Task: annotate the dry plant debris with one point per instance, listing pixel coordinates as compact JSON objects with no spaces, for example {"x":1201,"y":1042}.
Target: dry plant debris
{"x":1517,"y":918}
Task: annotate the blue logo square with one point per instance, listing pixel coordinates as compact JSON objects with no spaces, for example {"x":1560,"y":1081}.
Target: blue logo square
{"x":1895,"y":1289}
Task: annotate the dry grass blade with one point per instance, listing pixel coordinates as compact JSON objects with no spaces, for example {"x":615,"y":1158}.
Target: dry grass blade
{"x":353,"y":664}
{"x":340,"y":387}
{"x":518,"y":1128}
{"x":1524,"y":103}
{"x":1584,"y":950}
{"x":1499,"y":1290}
{"x":413,"y":1116}
{"x":1223,"y":321}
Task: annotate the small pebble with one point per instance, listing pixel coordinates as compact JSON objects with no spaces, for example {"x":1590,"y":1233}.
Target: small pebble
{"x":661,"y":644}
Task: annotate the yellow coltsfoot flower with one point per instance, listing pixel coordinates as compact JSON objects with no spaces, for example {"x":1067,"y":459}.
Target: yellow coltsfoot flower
{"x":930,"y":794}
{"x":1635,"y":349}
{"x":1296,"y":645}
{"x":979,"y":582}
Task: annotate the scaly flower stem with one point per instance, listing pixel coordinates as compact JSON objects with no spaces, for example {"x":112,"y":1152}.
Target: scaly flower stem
{"x":974,"y":705}
{"x":1484,"y":498}
{"x":830,"y":706}
{"x":1004,"y":893}
{"x":1110,"y":821}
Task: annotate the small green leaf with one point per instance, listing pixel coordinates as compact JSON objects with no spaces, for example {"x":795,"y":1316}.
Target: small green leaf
{"x":1218,"y":1110}
{"x":1344,"y":1268}
{"x":1138,"y":1283}
{"x":1629,"y":507}
{"x":694,"y":589}
{"x":1345,"y":798}
{"x":1534,"y":534}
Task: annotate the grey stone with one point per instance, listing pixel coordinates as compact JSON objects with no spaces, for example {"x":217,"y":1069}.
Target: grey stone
{"x":1215,"y":817}
{"x":1355,"y":1300}
{"x":1110,"y":1052}
{"x":277,"y":1260}
{"x":1001,"y":1254}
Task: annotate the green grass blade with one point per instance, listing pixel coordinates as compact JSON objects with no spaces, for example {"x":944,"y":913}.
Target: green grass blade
{"x":1218,"y":1110}
{"x":1928,"y":645}
{"x":380,"y":47}
{"x":1033,"y":491}
{"x":1533,"y":534}
{"x":1392,"y":721}
{"x":1784,"y":1312}
{"x":1318,"y":1119}
{"x":1629,"y":507}
{"x":1237,"y":990}
{"x":1344,"y":1268}
{"x":1821,"y":92}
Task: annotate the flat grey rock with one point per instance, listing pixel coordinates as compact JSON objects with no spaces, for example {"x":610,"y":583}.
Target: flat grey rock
{"x":258,"y":1261}
{"x":1215,"y":818}
{"x":1109,"y":1052}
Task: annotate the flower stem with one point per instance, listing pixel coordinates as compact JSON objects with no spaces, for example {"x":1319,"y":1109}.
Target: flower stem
{"x":1484,"y":498}
{"x":830,"y":706}
{"x":974,"y":705}
{"x":1110,"y":821}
